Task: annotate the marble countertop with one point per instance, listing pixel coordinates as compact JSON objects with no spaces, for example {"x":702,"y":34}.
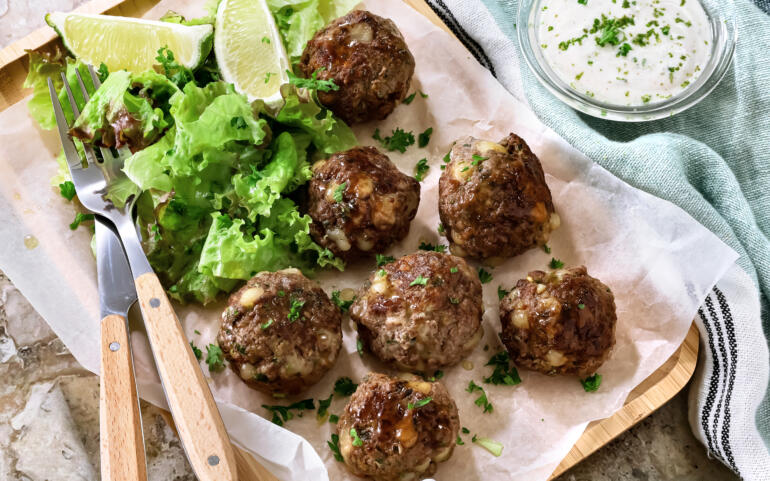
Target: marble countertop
{"x":49,"y":419}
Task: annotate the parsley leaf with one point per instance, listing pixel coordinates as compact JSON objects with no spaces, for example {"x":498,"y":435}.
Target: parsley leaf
{"x":67,"y":189}
{"x":477,"y":159}
{"x":80,"y":217}
{"x":591,"y":383}
{"x":343,"y":305}
{"x":420,"y":403}
{"x":425,"y":246}
{"x":312,"y":82}
{"x":624,"y":49}
{"x":356,"y":440}
{"x":295,"y":309}
{"x":441,"y":229}
{"x":453,"y":270}
{"x":583,"y":2}
{"x":383,"y":259}
{"x":504,"y":373}
{"x":281,"y":414}
{"x":423,"y":95}
{"x":267,"y":324}
{"x":333,"y":418}
{"x":419,"y":280}
{"x":323,"y":407}
{"x":481,"y":401}
{"x":345,"y":386}
{"x":459,"y":441}
{"x":103,"y":72}
{"x":409,"y":98}
{"x":334,"y":445}
{"x":421,"y":169}
{"x":484,"y":276}
{"x":501,"y":293}
{"x":339,"y":191}
{"x":175,"y":72}
{"x":398,"y":140}
{"x":360,"y":347}
{"x":196,"y":351}
{"x":424,"y":138}
{"x":265,"y":40}
{"x":555,"y":263}
{"x":581,"y":306}
{"x":546,"y":249}
{"x":215,"y":358}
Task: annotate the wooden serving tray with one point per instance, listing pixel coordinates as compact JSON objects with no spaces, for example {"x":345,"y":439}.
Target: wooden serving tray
{"x":647,"y":397}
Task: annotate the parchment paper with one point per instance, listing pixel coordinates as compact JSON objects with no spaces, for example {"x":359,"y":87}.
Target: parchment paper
{"x":658,"y":261}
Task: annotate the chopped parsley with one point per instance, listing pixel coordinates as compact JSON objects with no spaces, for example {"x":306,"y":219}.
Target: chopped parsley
{"x":591,"y":383}
{"x":583,"y":2}
{"x":312,"y":82}
{"x":481,"y":401}
{"x":419,"y":281}
{"x":477,"y":159}
{"x":79,"y":218}
{"x":215,"y":358}
{"x":424,"y":138}
{"x":67,"y":189}
{"x":459,"y":441}
{"x":334,"y":445}
{"x":345,"y":386}
{"x":281,"y":414}
{"x":267,"y":324}
{"x":610,"y":29}
{"x":454,"y":300}
{"x":623,"y":51}
{"x":441,"y":229}
{"x":398,"y":140}
{"x":420,"y":403}
{"x":421,"y":168}
{"x":339,"y":191}
{"x":577,"y":40}
{"x":646,"y":98}
{"x":425,"y":246}
{"x":382,"y":273}
{"x":505,"y":372}
{"x":197,"y":332}
{"x":484,"y":276}
{"x":409,"y":98}
{"x":323,"y":407}
{"x":453,"y":270}
{"x":198,"y":353}
{"x":423,"y":94}
{"x":383,"y":259}
{"x":267,"y":76}
{"x":360,"y":347}
{"x":265,"y":40}
{"x":343,"y":305}
{"x":555,"y":263}
{"x":356,"y":439}
{"x":665,"y":30}
{"x":333,"y":418}
{"x":501,"y":293}
{"x":295,"y":309}
{"x":465,"y":430}
{"x":436,"y":375}
{"x":546,"y":249}
{"x":581,"y":306}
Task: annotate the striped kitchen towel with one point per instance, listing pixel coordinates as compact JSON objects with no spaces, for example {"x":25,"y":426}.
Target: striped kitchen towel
{"x":714,"y":162}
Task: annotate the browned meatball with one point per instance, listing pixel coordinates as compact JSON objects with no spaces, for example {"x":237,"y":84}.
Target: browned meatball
{"x":280,"y":332}
{"x":360,"y":203}
{"x":493,"y":199}
{"x":421,"y":312}
{"x":561,"y":322}
{"x":368,"y":59}
{"x":397,"y":429}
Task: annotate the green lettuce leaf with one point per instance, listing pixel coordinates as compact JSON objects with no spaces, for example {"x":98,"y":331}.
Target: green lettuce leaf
{"x":42,"y":66}
{"x":299,"y":20}
{"x":328,"y":133}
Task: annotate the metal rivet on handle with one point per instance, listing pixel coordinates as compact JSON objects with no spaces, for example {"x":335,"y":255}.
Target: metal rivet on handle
{"x":114,"y":346}
{"x":213,"y":460}
{"x":154,"y":302}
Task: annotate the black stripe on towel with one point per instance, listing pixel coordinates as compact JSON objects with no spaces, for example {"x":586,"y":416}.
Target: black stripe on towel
{"x":716,"y":414}
{"x":728,"y":391}
{"x":473,"y":47}
{"x":713,"y":383}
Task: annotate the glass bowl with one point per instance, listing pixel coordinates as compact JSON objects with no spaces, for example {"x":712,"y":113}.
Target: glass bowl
{"x":721,"y":15}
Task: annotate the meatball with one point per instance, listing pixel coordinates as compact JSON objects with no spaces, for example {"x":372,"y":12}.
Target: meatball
{"x":360,"y":202}
{"x":421,"y":312}
{"x":397,"y":429}
{"x":367,"y":58}
{"x":280,"y":332}
{"x":493,"y":199}
{"x":561,"y":322}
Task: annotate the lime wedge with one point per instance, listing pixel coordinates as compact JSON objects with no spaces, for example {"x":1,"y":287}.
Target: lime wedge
{"x":129,"y":43}
{"x":249,"y":51}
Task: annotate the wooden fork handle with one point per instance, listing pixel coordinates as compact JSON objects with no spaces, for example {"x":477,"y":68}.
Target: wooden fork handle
{"x":195,"y":413}
{"x":121,"y":441}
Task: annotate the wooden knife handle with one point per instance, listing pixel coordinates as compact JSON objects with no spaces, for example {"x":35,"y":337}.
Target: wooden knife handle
{"x":195,"y":413}
{"x":121,"y":441}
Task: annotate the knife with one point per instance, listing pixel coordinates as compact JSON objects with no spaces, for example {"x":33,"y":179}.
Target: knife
{"x":120,"y":422}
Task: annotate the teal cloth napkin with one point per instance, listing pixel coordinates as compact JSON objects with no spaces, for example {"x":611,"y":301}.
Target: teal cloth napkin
{"x":713,"y":161}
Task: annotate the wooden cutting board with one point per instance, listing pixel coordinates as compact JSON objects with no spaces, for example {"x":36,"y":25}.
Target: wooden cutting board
{"x":648,"y":396}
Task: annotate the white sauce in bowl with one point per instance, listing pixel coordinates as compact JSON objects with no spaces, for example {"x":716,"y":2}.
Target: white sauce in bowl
{"x":625,"y":52}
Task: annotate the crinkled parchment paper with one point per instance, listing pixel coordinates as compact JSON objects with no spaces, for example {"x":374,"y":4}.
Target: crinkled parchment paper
{"x":658,"y":261}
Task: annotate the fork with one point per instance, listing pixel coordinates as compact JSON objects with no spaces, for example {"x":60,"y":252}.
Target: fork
{"x":192,"y":405}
